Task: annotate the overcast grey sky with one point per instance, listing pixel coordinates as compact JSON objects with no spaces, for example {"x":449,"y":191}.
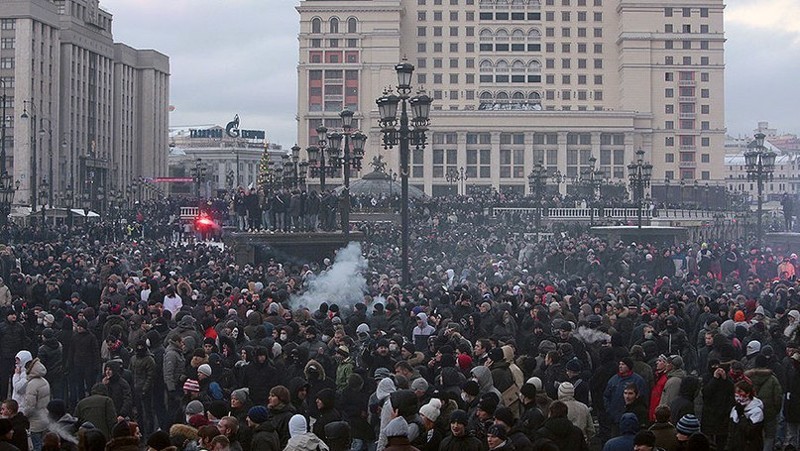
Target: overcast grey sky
{"x":240,"y":56}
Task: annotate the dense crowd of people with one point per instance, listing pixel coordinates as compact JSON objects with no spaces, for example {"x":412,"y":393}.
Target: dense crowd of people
{"x":499,"y":343}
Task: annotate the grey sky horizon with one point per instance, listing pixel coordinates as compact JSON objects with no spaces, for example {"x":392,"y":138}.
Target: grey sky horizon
{"x":240,"y":57}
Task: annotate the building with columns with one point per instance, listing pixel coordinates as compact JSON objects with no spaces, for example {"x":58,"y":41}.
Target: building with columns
{"x":516,"y":82}
{"x":84,"y":115}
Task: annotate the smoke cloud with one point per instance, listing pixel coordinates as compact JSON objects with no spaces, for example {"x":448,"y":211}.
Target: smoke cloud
{"x":342,"y":284}
{"x":590,"y":336}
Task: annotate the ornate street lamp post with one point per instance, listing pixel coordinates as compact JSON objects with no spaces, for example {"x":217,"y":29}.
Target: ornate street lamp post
{"x":639,"y":173}
{"x":537,"y":184}
{"x":409,"y":132}
{"x":760,"y":165}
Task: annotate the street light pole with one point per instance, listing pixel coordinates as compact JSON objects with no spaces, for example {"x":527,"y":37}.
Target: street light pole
{"x":760,"y":164}
{"x":537,"y":184}
{"x":405,"y":136}
{"x":639,"y":173}
{"x":346,"y":160}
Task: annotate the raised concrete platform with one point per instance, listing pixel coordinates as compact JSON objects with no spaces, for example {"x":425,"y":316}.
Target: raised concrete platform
{"x":258,"y":247}
{"x":646,"y":234}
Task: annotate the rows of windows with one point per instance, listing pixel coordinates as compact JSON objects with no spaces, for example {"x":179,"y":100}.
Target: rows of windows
{"x":503,"y":16}
{"x":333,"y":25}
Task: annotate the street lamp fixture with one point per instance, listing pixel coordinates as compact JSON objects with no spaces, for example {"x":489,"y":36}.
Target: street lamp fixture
{"x":454,"y":175}
{"x":639,"y":174}
{"x":760,"y":166}
{"x":405,"y":134}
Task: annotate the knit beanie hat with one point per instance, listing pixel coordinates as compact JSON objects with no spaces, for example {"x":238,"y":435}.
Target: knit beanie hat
{"x":688,"y":425}
{"x":464,"y":362}
{"x":204,"y":369}
{"x":191,"y":385}
{"x":753,"y":347}
{"x":430,"y":412}
{"x":472,"y":388}
{"x":194,"y":407}
{"x":566,"y":390}
{"x":459,"y":416}
{"x":505,"y":415}
{"x":159,"y":440}
{"x":258,"y":414}
{"x":396,"y":428}
{"x":240,"y":394}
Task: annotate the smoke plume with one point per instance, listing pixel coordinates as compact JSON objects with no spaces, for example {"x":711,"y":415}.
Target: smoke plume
{"x":342,"y":284}
{"x":590,"y":336}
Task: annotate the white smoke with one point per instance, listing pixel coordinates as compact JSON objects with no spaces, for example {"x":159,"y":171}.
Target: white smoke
{"x":342,"y":284}
{"x":590,"y":336}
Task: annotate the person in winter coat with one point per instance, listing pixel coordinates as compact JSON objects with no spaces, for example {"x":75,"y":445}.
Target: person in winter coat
{"x":19,"y":424}
{"x":344,"y":367}
{"x":122,"y":438}
{"x":397,"y":436}
{"x":317,"y":381}
{"x":484,"y":377}
{"x":174,"y":372}
{"x":613,"y":396}
{"x":664,"y":431}
{"x":37,"y":396}
{"x":558,"y":429}
{"x":502,"y":378}
{"x":505,"y":417}
{"x":769,"y":391}
{"x":791,"y":403}
{"x":20,"y":378}
{"x":635,"y":404}
{"x":684,"y":403}
{"x":280,"y":412}
{"x":497,"y":438}
{"x":628,"y":427}
{"x":577,"y":412}
{"x":354,"y":405}
{"x":143,"y":371}
{"x":98,"y":409}
{"x":264,"y":436}
{"x":83,"y":360}
{"x":748,"y":419}
{"x":51,"y":354}
{"x":717,"y":403}
{"x":259,"y":376}
{"x":118,"y":388}
{"x":675,"y":374}
{"x":301,"y":439}
{"x":327,"y":413}
{"x":12,"y":340}
{"x":460,"y":438}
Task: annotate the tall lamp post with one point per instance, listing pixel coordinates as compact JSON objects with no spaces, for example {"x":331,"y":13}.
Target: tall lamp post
{"x":351,"y":158}
{"x":318,"y":167}
{"x":760,"y":165}
{"x":639,"y":173}
{"x":297,"y":169}
{"x":537,"y":184}
{"x":454,"y":175}
{"x":591,"y":180}
{"x":411,"y":131}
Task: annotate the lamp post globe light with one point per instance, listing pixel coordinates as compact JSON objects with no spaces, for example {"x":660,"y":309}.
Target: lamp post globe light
{"x":406,"y":132}
{"x":760,"y":165}
{"x":591,"y":181}
{"x":639,"y":174}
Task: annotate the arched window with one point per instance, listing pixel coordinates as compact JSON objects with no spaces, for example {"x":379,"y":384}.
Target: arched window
{"x":501,"y":35}
{"x":352,"y":25}
{"x":518,"y":96}
{"x":334,"y":25}
{"x":486,"y":34}
{"x":534,"y":96}
{"x":486,"y":66}
{"x":535,"y":66}
{"x":501,"y":66}
{"x":517,"y":35}
{"x":517,"y":66}
{"x":316,"y":25}
{"x":502,"y":96}
{"x":535,"y":34}
{"x":486,"y":95}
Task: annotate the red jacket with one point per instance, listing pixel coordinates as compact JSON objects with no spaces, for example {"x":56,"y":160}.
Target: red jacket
{"x":655,"y":395}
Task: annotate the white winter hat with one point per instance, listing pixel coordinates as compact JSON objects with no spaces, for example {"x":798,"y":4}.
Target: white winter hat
{"x":753,"y":347}
{"x":430,"y":412}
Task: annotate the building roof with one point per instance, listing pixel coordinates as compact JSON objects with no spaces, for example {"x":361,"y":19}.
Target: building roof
{"x":378,"y":183}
